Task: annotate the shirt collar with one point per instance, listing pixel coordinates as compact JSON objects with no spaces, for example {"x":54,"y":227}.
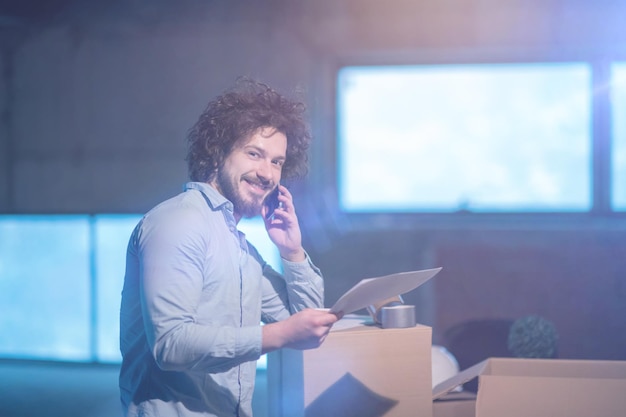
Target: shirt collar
{"x":215,"y":200}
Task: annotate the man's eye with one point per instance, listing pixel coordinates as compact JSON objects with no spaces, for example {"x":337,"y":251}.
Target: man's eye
{"x":279,"y":163}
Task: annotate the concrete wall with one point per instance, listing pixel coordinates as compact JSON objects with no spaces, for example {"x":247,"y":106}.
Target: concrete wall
{"x":102,"y":102}
{"x":96,"y":104}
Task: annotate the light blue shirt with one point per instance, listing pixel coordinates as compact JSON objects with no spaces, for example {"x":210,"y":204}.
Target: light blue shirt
{"x":194,"y":295}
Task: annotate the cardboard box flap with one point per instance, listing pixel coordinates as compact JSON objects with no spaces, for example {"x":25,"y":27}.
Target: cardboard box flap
{"x":462,"y":377}
{"x":537,"y":368}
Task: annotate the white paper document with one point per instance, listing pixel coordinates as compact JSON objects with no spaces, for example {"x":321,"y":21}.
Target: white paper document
{"x":371,"y":290}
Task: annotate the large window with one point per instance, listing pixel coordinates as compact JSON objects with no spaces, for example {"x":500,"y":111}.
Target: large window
{"x":618,"y":150}
{"x":480,"y":138}
{"x":45,"y":287}
{"x":61,"y":280}
{"x":110,"y":234}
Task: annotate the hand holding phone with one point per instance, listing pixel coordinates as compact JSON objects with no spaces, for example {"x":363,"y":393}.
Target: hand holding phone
{"x":283,"y":229}
{"x":272,"y":203}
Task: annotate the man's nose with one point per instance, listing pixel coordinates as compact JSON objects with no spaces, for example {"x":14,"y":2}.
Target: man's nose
{"x":265,"y":170}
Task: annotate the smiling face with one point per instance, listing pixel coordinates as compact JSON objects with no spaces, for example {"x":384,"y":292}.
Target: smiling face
{"x":251,"y":171}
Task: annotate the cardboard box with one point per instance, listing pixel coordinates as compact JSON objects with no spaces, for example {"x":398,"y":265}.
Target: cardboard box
{"x":363,"y":371}
{"x":516,"y":387}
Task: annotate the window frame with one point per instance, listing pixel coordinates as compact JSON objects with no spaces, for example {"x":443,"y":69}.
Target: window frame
{"x":324,"y":181}
{"x":350,"y":177}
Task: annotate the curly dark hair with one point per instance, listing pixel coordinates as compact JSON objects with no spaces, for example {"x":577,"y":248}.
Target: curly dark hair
{"x":238,"y":113}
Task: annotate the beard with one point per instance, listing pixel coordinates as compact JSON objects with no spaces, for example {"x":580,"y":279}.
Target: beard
{"x":229,"y":187}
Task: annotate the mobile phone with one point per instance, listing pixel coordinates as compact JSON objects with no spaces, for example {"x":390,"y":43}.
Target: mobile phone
{"x":272,"y":203}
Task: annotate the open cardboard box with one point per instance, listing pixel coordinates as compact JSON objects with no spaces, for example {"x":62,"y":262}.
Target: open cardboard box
{"x":516,"y":387}
{"x":359,"y":371}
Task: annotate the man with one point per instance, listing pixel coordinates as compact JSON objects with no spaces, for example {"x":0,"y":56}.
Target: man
{"x":195,"y":291}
